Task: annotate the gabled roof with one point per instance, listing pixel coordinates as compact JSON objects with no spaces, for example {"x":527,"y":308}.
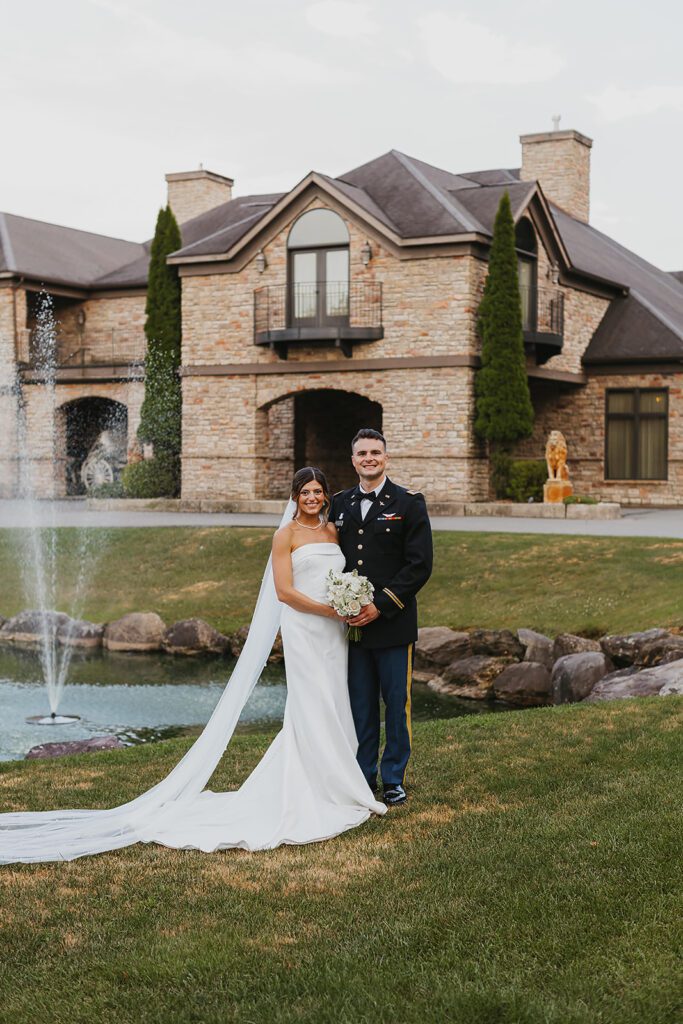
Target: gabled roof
{"x":59,"y":255}
{"x":655,"y":298}
{"x":412,"y":203}
{"x":217,"y":230}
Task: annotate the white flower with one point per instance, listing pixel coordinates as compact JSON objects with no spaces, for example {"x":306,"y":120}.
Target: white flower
{"x":348,"y":592}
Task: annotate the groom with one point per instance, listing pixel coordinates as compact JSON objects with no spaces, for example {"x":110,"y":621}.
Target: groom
{"x":384,"y":533}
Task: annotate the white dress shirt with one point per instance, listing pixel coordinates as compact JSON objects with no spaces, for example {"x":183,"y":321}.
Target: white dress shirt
{"x":367,"y":502}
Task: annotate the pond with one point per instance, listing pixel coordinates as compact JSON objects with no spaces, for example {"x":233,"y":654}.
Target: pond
{"x":145,"y":697}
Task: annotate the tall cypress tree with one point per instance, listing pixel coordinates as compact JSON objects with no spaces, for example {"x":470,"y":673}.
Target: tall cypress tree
{"x":504,"y":412}
{"x":161,"y":413}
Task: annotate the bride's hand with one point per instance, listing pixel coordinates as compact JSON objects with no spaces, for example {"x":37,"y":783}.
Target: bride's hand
{"x":368,"y":613}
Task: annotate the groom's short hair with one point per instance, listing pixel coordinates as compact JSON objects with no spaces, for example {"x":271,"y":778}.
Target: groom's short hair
{"x":369,"y":434}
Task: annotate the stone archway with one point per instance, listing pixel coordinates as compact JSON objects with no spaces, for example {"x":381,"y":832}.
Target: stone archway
{"x":314,"y":428}
{"x":83,"y":422}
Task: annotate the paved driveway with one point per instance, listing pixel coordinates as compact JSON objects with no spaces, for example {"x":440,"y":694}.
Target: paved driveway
{"x":634,"y":522}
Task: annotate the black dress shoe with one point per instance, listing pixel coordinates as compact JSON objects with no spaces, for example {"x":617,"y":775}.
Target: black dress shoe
{"x":394,"y":794}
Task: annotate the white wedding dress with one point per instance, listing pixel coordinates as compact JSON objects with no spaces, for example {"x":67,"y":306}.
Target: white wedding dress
{"x":308,"y":786}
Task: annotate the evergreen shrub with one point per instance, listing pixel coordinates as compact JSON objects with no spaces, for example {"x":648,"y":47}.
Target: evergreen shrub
{"x":526,"y":479}
{"x":504,"y":412}
{"x":161,"y":413}
{"x":153,"y":478}
{"x":115,"y":490}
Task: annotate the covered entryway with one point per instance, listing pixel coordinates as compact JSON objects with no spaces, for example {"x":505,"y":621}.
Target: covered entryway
{"x":95,"y":432}
{"x":315,"y":428}
{"x":325,"y":423}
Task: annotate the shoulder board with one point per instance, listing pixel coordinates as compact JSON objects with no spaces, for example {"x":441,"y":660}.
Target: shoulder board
{"x":337,"y":493}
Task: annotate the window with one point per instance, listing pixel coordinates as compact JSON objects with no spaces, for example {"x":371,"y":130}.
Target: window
{"x":318,"y":247}
{"x":527,"y":257}
{"x":636,"y":432}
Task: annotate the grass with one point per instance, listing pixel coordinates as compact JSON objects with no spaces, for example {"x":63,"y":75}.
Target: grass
{"x":533,"y":878}
{"x":588,"y":585}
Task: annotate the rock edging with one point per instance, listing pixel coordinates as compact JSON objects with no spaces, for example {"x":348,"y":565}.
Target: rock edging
{"x":528,"y":669}
{"x":134,"y":632}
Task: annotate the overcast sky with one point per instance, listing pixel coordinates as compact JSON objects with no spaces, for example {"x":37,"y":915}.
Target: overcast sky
{"x":100,"y":98}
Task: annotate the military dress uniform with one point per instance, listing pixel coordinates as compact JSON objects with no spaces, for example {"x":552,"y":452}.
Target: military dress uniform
{"x":392,"y":546}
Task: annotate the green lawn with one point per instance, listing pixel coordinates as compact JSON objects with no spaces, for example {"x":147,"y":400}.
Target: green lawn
{"x":551,"y":583}
{"x":533,"y":878}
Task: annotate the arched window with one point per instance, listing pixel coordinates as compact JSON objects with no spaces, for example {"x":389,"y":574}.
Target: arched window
{"x":318,"y":247}
{"x":527,"y":258}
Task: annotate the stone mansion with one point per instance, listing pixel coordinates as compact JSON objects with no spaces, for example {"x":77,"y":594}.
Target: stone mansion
{"x":348,"y":302}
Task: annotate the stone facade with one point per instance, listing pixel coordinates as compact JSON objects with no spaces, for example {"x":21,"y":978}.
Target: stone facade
{"x":239,"y":428}
{"x":580,"y":414}
{"x":98,"y":338}
{"x":237,"y":444}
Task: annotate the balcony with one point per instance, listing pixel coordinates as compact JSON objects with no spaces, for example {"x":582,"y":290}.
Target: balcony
{"x":542,"y":321}
{"x":318,"y":313}
{"x":89,"y":355}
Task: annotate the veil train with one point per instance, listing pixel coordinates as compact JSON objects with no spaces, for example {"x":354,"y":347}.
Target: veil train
{"x":40,"y":836}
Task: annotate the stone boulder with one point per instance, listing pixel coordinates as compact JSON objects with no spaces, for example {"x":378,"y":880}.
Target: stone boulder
{"x":194,"y":636}
{"x":575,"y":675}
{"x":647,"y":683}
{"x":568,"y":643}
{"x":91,"y":746}
{"x":28,"y":627}
{"x":537,"y":647}
{"x":239,"y":638}
{"x":525,"y":684}
{"x":436,"y":647}
{"x":627,"y":650}
{"x":496,"y":643}
{"x":660,"y":650}
{"x":471,"y":677}
{"x":81,"y":633}
{"x":675,"y":687}
{"x":138,"y":631}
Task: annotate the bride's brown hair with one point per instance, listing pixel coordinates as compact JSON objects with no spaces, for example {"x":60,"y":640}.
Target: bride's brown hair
{"x":303,"y":477}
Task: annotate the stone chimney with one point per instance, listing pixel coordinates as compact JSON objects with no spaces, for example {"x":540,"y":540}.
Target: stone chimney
{"x":560,"y":161}
{"x":193,"y":192}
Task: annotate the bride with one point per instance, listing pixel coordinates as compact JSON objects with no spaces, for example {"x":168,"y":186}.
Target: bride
{"x":307,"y":787}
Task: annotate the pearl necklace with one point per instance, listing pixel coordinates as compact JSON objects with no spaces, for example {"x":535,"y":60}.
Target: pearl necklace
{"x":321,"y":523}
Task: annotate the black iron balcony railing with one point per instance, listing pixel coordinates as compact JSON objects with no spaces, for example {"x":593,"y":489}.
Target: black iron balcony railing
{"x":543,"y":320}
{"x":322,"y":312}
{"x":85,"y":354}
{"x":88,"y":348}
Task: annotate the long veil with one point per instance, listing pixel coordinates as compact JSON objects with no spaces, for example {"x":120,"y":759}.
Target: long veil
{"x":65,"y":835}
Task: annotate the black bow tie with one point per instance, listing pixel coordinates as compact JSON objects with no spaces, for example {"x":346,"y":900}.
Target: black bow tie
{"x":366,"y":495}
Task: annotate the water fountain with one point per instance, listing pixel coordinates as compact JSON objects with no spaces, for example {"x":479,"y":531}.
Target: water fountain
{"x":38,"y":539}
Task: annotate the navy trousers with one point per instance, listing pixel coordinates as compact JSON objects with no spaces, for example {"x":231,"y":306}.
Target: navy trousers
{"x":385,"y":671}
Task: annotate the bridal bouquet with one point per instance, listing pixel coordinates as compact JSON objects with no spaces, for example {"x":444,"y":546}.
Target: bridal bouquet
{"x":348,"y":592}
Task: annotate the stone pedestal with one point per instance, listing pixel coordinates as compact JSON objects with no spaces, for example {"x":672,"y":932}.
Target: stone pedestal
{"x":554,"y":491}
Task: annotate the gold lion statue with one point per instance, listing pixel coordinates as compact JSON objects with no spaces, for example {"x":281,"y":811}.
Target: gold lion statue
{"x":556,"y":456}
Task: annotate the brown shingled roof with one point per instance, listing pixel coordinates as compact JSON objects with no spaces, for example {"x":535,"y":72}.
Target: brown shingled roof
{"x":59,"y":255}
{"x":412,"y":200}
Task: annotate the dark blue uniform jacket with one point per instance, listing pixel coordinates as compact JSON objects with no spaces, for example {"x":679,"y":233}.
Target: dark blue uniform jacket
{"x":392,"y":546}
